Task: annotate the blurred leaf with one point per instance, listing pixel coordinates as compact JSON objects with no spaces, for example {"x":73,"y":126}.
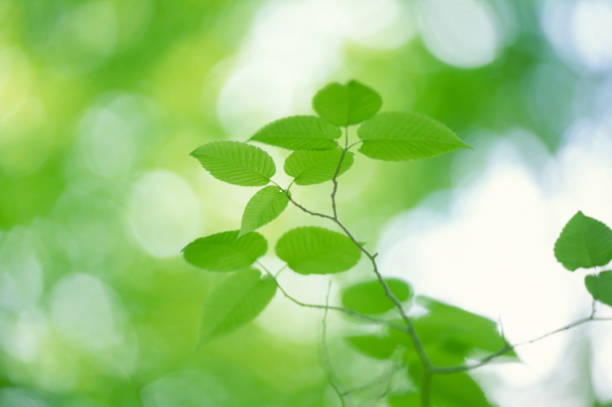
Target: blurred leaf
{"x":600,"y":286}
{"x":457,"y":328}
{"x":236,"y":163}
{"x":315,"y":250}
{"x":343,"y":105}
{"x":314,"y":167}
{"x":368,"y":297}
{"x":376,"y":346}
{"x":408,"y":399}
{"x":236,"y":301}
{"x":584,"y":242}
{"x":457,"y":390}
{"x":225,"y":251}
{"x":445,"y":353}
{"x":399,"y":136}
{"x":299,"y":133}
{"x":262,"y":208}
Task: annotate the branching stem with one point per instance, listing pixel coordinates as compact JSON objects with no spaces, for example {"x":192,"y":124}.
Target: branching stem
{"x":346,"y":311}
{"x":429,"y":370}
{"x":325,"y":352}
{"x":509,"y":347}
{"x":410,"y":330}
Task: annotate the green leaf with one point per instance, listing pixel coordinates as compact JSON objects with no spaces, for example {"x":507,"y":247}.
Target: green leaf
{"x":225,"y":251}
{"x":314,"y":167}
{"x":457,"y":329}
{"x":441,"y":351}
{"x":400,"y":136}
{"x":451,"y":390}
{"x":236,"y":301}
{"x":343,"y":105}
{"x":600,"y":286}
{"x":375,"y":346}
{"x":584,"y":242}
{"x":262,"y":208}
{"x":407,"y":399}
{"x":236,"y":163}
{"x":315,"y":250}
{"x":299,"y":133}
{"x":455,"y":390}
{"x":368,"y":297}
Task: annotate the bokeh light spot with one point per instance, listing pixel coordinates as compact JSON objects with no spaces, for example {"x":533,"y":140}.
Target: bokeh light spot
{"x":460,"y":32}
{"x":163,"y":213}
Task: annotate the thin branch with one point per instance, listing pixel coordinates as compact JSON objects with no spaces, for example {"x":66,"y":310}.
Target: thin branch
{"x":507,"y":348}
{"x":371,"y":383}
{"x":337,"y":172}
{"x":429,"y":369}
{"x":426,"y":387}
{"x":372,"y":257}
{"x":325,"y":351}
{"x":308,"y":211}
{"x":354,"y":144}
{"x":385,"y":377}
{"x":347,"y":311}
{"x":409,"y":325}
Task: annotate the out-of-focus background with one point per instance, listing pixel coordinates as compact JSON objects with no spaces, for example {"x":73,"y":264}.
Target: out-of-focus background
{"x":101,"y":102}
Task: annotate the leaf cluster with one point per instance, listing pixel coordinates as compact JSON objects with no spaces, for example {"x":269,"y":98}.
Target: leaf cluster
{"x":434,"y":346}
{"x":586,"y":243}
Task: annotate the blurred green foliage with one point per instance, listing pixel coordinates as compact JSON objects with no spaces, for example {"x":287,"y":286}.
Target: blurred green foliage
{"x":97,"y":95}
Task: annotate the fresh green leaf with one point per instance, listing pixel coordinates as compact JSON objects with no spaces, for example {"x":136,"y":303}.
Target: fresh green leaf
{"x":400,"y":136}
{"x":457,"y":328}
{"x":600,"y":286}
{"x":451,"y":390}
{"x":407,"y":399}
{"x":584,"y":242}
{"x":315,"y":250}
{"x":343,"y":105}
{"x":225,"y":251}
{"x":314,"y":167}
{"x":457,"y":389}
{"x":263,"y":207}
{"x":440,"y":353}
{"x":375,"y":346}
{"x":299,"y":133}
{"x":236,"y":301}
{"x":368,"y":297}
{"x":236,"y":163}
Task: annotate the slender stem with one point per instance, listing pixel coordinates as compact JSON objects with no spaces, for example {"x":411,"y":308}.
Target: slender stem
{"x":429,"y":369}
{"x":347,"y":311}
{"x":409,"y":325}
{"x":354,"y":144}
{"x":337,"y":172}
{"x":308,"y":211}
{"x":426,"y":387}
{"x":386,"y":376}
{"x":507,"y":348}
{"x":372,"y":258}
{"x":325,"y":352}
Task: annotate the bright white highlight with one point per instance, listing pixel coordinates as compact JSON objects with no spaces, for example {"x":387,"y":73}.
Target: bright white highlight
{"x":580,"y":31}
{"x":163,"y":213}
{"x":20,"y":272}
{"x":591,"y":27}
{"x":492,"y":253}
{"x":83,"y":310}
{"x":460,"y":32}
{"x":109,"y":135}
{"x":292,"y":48}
